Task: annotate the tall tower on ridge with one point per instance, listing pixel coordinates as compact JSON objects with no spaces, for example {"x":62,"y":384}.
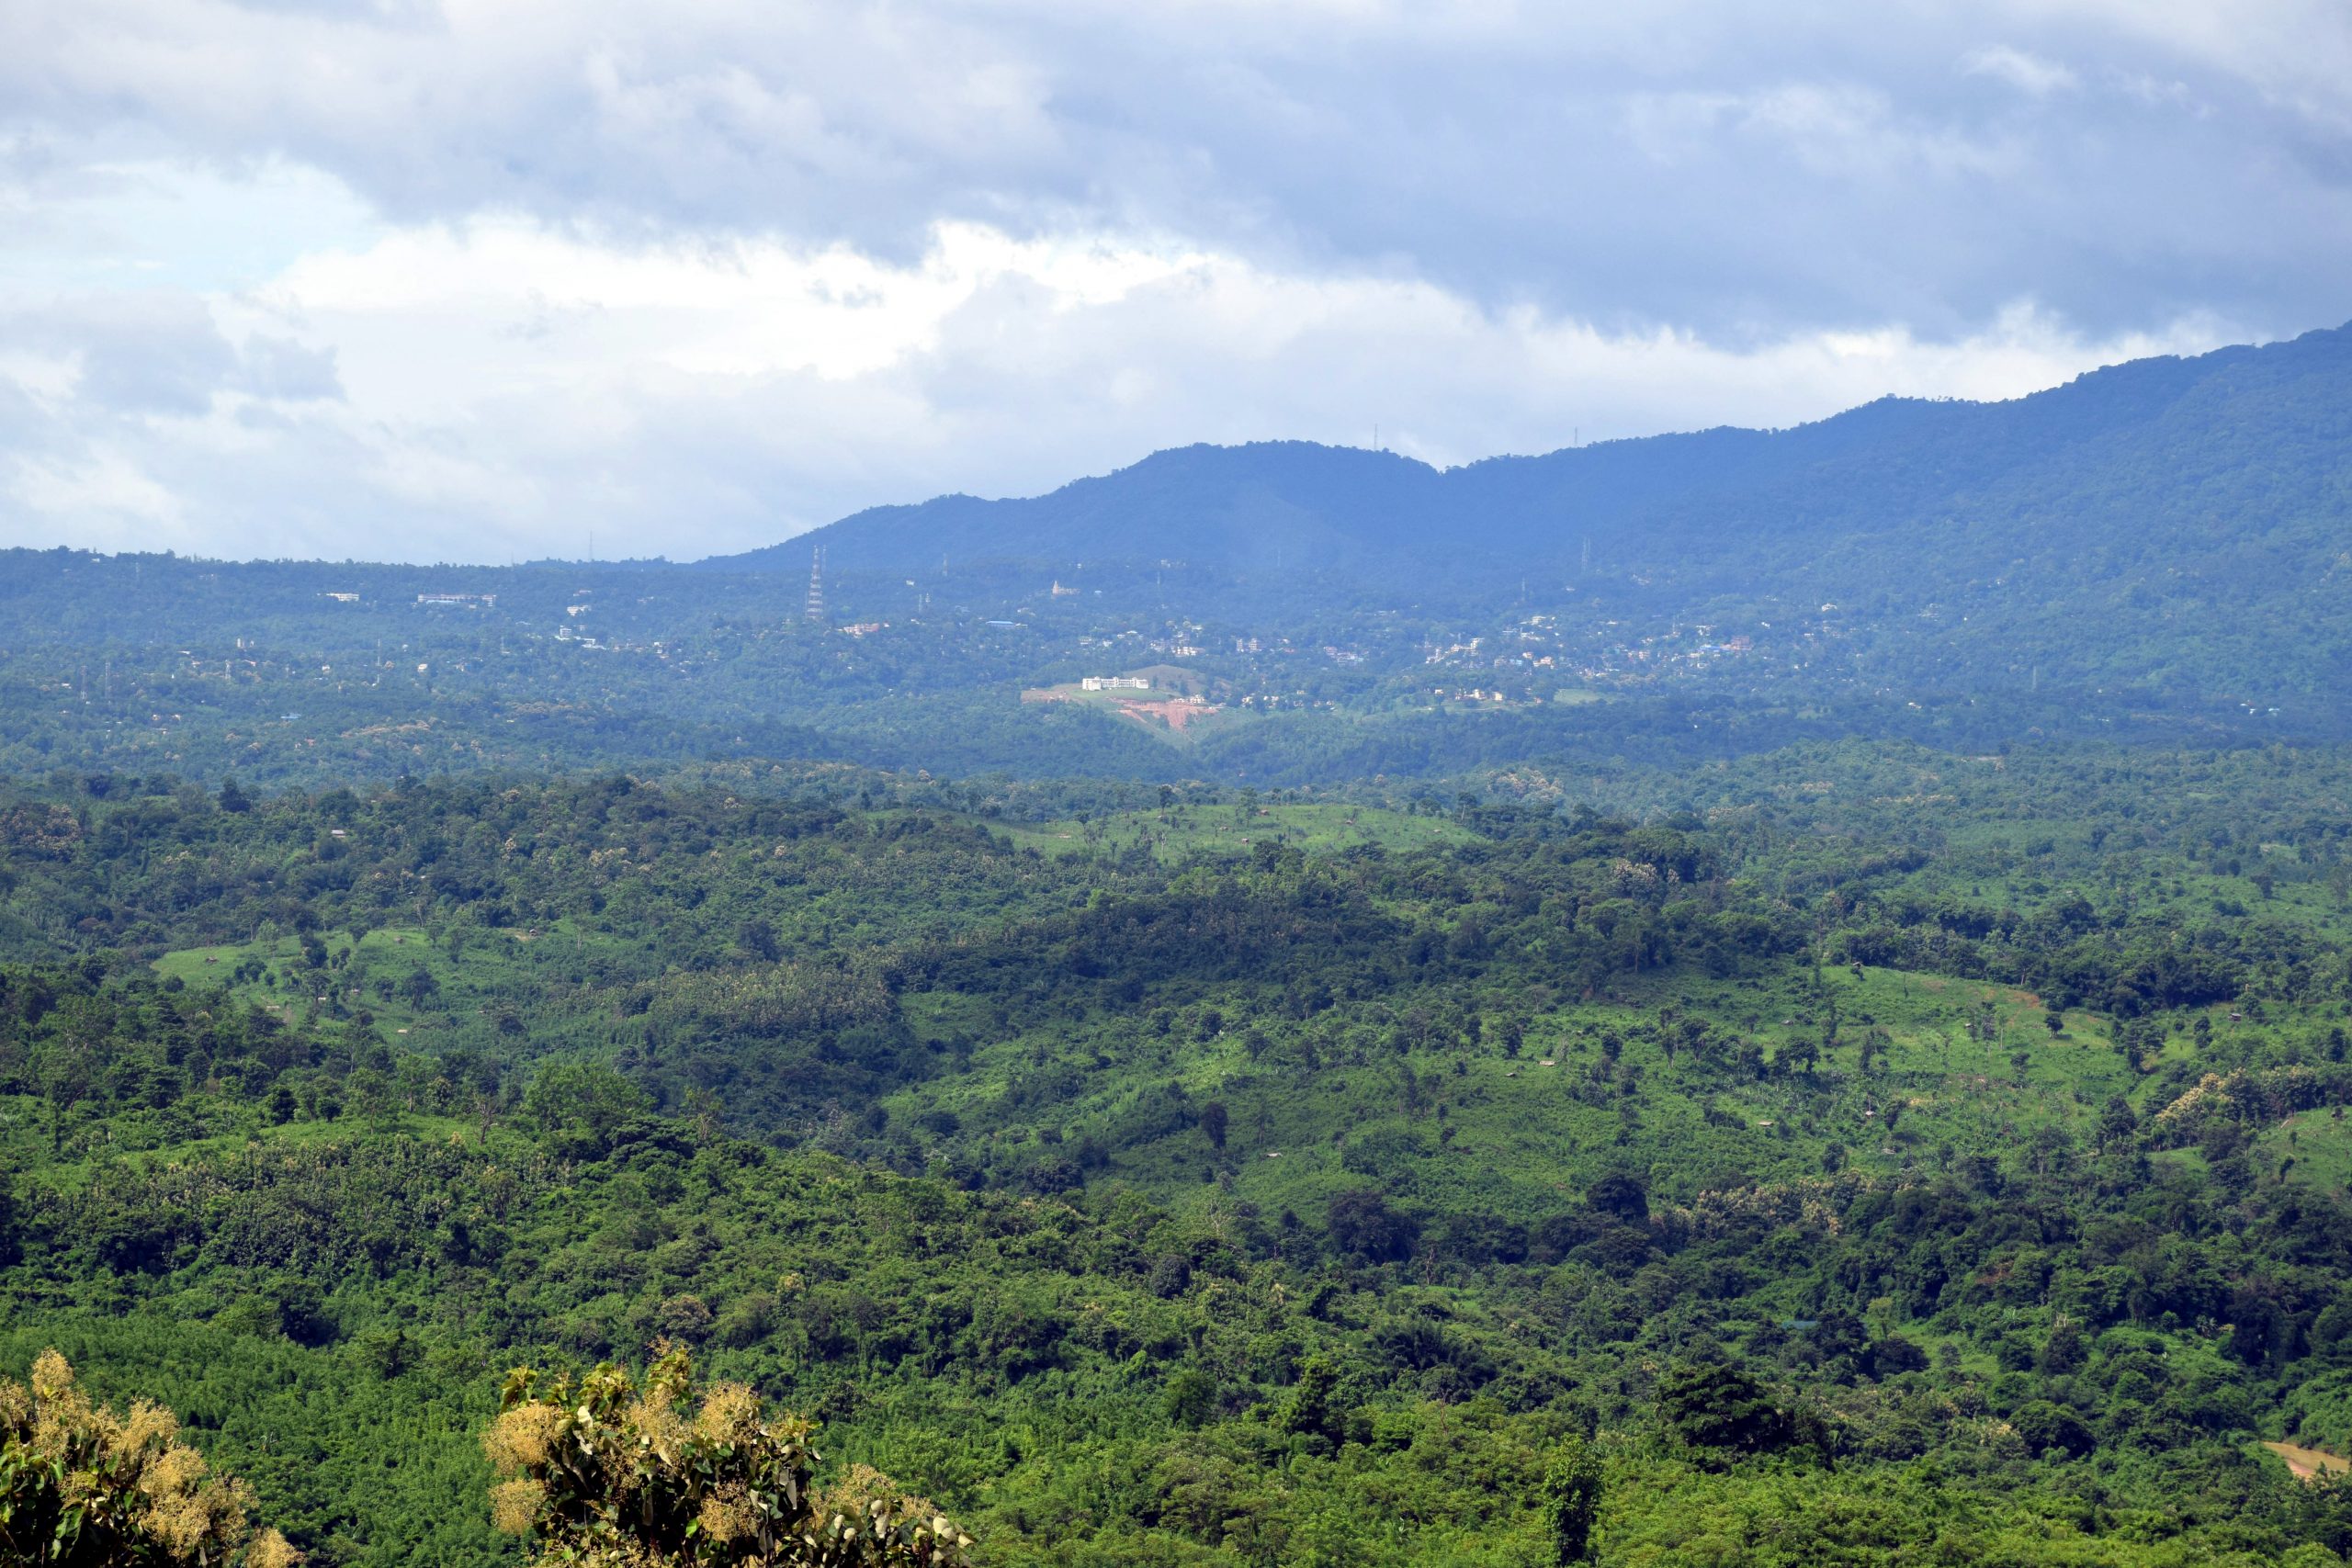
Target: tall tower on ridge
{"x":816,"y":611}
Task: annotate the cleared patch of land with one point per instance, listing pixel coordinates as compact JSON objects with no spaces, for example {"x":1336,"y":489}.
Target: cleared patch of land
{"x":1171,"y":703}
{"x":2309,"y":1464}
{"x":2310,"y":1147}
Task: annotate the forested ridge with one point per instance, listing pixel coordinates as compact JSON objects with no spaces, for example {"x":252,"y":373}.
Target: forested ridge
{"x":1860,"y":1154}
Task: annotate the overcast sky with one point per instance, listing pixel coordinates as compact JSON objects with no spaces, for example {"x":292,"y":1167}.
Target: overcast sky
{"x":466,"y":279}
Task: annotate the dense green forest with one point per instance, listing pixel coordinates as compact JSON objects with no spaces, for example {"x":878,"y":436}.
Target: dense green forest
{"x":1781,"y":999}
{"x":1847,"y":1152}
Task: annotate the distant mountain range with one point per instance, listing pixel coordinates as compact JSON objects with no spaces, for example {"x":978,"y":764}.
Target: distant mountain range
{"x":2170,"y":534}
{"x":2171,"y":506}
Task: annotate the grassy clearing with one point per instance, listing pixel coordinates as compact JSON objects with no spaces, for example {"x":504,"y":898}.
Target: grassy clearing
{"x":1321,"y":1108}
{"x":397,"y":981}
{"x":2319,"y":1145}
{"x":1184,"y":831}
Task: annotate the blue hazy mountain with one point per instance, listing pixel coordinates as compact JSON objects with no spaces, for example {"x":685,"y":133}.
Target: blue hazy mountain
{"x":2165,"y":484}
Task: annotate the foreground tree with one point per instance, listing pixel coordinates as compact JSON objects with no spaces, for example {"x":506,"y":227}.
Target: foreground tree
{"x":609,"y":1474}
{"x":82,"y":1487}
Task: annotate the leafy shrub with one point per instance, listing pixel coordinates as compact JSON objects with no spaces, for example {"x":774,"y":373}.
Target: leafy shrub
{"x":612,"y":1474}
{"x":81,"y":1487}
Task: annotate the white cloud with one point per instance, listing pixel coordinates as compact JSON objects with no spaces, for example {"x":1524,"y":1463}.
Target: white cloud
{"x":2026,"y":72}
{"x":441,"y":276}
{"x":502,"y":385}
{"x":105,"y":488}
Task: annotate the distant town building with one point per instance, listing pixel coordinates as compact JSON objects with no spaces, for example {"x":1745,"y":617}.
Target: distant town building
{"x":458,"y":600}
{"x":1116,"y":684}
{"x":1061,"y":592}
{"x":342,"y":598}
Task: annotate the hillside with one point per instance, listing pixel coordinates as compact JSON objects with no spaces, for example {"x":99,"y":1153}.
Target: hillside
{"x":2166,"y":441}
{"x":1903,"y":1159}
{"x":2151,"y":510}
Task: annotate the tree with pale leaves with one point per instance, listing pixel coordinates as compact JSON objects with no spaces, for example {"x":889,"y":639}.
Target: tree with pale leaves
{"x":82,"y":1487}
{"x":612,"y":1472}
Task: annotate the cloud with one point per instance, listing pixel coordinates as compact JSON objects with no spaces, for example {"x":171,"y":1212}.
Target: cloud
{"x":2029,"y":73}
{"x":1502,"y":149}
{"x":456,"y":277}
{"x":501,"y":387}
{"x":145,"y":354}
{"x":280,"y":370}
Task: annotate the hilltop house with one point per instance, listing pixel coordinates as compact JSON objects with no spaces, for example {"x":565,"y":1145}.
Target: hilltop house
{"x":1116,"y":684}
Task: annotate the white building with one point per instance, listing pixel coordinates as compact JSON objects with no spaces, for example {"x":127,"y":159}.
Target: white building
{"x":1116,"y":684}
